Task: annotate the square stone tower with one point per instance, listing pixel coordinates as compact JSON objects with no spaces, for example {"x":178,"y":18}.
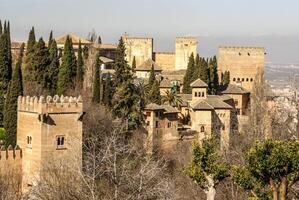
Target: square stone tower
{"x":184,"y":46}
{"x":140,"y":48}
{"x":243,"y":63}
{"x":49,"y":130}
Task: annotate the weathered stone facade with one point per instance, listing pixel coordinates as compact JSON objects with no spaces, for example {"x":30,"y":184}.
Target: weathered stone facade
{"x":184,"y":46}
{"x":48,"y":130}
{"x":243,"y":63}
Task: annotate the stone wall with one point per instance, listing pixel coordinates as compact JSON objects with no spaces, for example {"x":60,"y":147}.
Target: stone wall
{"x":41,"y":121}
{"x":184,"y":46}
{"x":165,"y":60}
{"x":243,"y":63}
{"x":141,"y":48}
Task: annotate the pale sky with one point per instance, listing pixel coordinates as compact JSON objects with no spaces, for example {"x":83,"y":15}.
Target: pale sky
{"x":270,"y":23}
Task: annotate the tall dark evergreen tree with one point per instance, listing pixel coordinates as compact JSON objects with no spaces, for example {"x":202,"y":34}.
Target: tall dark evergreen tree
{"x":9,"y":45}
{"x":67,"y":70}
{"x":134,"y":64}
{"x":5,"y":71}
{"x":99,"y":40}
{"x":203,"y":72}
{"x":0,"y":27}
{"x":214,"y":80}
{"x":51,"y":75}
{"x":196,"y":68}
{"x":189,"y":75}
{"x":122,"y":70}
{"x":80,"y":69}
{"x":126,"y":100}
{"x":108,"y":91}
{"x":152,"y":77}
{"x":96,"y":86}
{"x":31,"y":41}
{"x":15,"y":89}
{"x":50,"y":39}
{"x":225,"y":78}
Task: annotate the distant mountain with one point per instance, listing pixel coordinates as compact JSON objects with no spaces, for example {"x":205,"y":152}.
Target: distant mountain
{"x":282,"y":72}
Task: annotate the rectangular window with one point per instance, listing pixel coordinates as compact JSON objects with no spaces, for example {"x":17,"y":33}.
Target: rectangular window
{"x":236,"y":102}
{"x":60,"y":142}
{"x":203,"y":94}
{"x":169,"y":125}
{"x":29,"y":142}
{"x":147,"y":123}
{"x":157,"y":124}
{"x":148,"y":114}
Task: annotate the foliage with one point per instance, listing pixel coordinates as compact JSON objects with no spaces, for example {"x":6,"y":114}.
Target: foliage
{"x":152,"y":77}
{"x":214,"y":80}
{"x":96,"y":88}
{"x":172,"y":98}
{"x":80,"y":69}
{"x":189,"y":75}
{"x":154,"y":95}
{"x":14,"y":91}
{"x":134,"y":64}
{"x":108,"y":91}
{"x":272,"y":164}
{"x":67,"y":70}
{"x":205,"y":163}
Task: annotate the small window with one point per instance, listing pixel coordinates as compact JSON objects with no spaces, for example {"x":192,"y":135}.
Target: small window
{"x":147,"y":123}
{"x":169,"y":125}
{"x":202,"y":129}
{"x":157,"y":124}
{"x":195,"y":94}
{"x":29,"y":141}
{"x":242,"y":79}
{"x":203,"y":94}
{"x":251,"y":79}
{"x":248,"y":54}
{"x":238,"y":79}
{"x":199,"y":94}
{"x":60,"y":142}
{"x":240,"y":54}
{"x":148,"y":114}
{"x":223,"y":128}
{"x":247,"y":79}
{"x":234,"y":79}
{"x":236,"y":102}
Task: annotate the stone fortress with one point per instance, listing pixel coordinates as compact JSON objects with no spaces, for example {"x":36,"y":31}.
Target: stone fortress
{"x":49,"y":130}
{"x":142,"y":50}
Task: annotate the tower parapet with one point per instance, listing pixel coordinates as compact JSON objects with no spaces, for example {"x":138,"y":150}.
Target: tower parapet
{"x":10,"y":153}
{"x":50,"y":104}
{"x":184,"y":46}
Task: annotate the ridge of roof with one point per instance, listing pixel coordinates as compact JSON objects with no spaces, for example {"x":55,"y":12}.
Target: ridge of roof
{"x":198,"y":83}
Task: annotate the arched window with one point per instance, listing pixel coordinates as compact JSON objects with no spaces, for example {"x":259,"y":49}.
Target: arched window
{"x":195,"y":94}
{"x":238,"y":79}
{"x":60,"y":140}
{"x":242,"y":79}
{"x":234,"y":79}
{"x":202,"y":129}
{"x":203,"y":94}
{"x":199,"y":94}
{"x":251,"y":79}
{"x":247,"y":79}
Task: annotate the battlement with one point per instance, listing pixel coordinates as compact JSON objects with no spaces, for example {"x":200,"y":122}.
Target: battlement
{"x":10,"y":153}
{"x":50,"y":104}
{"x":165,"y":52}
{"x":241,"y":49}
{"x":186,"y":38}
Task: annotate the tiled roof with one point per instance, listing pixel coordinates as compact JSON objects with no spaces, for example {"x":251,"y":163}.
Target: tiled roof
{"x":153,"y":106}
{"x":234,"y":89}
{"x":210,"y":103}
{"x":147,"y":66}
{"x":75,"y":39}
{"x":170,"y":109}
{"x":198,"y":83}
{"x":165,"y":83}
{"x":186,"y":98}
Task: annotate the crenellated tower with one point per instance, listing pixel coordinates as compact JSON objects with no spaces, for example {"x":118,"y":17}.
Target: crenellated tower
{"x":49,"y":131}
{"x":184,"y":46}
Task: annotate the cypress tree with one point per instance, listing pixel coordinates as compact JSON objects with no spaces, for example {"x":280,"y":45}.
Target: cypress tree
{"x":96,"y":88}
{"x":154,"y":95}
{"x":50,"y":39}
{"x":203,"y":72}
{"x":80,"y":69}
{"x":99,"y":40}
{"x":122,"y":70}
{"x":152,"y":77}
{"x":5,"y":72}
{"x":214,"y":80}
{"x":133,"y":64}
{"x":31,"y":41}
{"x":0,"y":27}
{"x":85,"y":52}
{"x":189,"y":75}
{"x":9,"y":46}
{"x":15,"y":89}
{"x":41,"y":62}
{"x":51,"y":76}
{"x":107,"y":95}
{"x":196,"y":68}
{"x":67,"y":69}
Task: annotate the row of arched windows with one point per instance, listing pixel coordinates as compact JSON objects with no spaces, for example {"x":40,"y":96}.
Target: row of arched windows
{"x":243,"y":79}
{"x":199,"y":94}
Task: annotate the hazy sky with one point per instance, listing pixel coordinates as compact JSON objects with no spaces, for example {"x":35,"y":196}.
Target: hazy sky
{"x":270,"y":23}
